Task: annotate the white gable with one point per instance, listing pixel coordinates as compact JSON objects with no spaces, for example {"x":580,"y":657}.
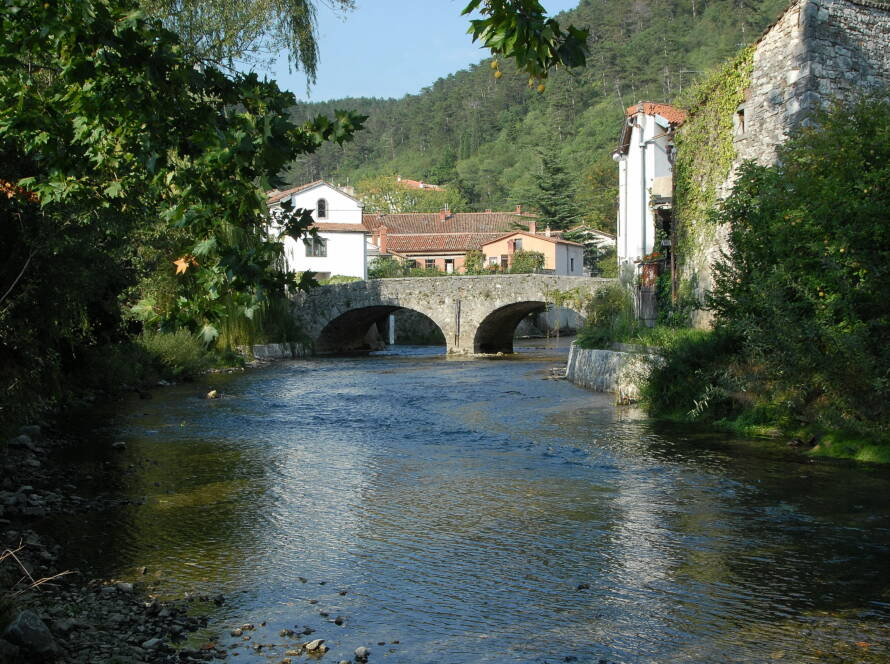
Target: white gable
{"x":340,"y":207}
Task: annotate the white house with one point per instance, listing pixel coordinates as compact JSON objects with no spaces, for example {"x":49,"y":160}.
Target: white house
{"x":645,"y":176}
{"x":341,"y":245}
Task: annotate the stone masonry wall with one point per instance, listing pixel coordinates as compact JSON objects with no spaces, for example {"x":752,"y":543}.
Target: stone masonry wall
{"x":819,"y":51}
{"x":617,"y":372}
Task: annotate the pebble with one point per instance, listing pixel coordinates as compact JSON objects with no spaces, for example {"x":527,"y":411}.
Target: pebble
{"x":236,"y":632}
{"x":362,"y":653}
{"x":314,"y":645}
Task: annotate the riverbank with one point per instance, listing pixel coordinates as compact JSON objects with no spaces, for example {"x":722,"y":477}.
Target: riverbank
{"x":64,"y":615}
{"x":625,"y":371}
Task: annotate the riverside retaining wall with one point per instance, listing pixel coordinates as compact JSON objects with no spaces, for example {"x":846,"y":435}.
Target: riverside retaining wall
{"x":620,"y":372}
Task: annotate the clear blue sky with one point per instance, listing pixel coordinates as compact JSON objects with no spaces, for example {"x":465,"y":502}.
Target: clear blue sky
{"x":390,"y":48}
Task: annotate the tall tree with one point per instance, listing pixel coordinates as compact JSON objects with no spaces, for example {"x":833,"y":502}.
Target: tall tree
{"x":555,"y":195}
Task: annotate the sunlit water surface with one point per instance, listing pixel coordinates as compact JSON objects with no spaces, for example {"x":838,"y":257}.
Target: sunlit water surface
{"x":476,"y":511}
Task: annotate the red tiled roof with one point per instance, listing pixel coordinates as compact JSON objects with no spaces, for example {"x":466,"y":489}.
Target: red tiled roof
{"x":437,"y":242}
{"x":417,"y":184}
{"x":553,"y":238}
{"x":457,"y":222}
{"x":276,"y":196}
{"x":676,"y":116}
{"x":332,"y":227}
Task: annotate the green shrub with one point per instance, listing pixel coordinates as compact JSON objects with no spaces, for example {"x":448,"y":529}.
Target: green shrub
{"x":179,"y":354}
{"x":610,"y":318}
{"x":337,"y":279}
{"x":527,"y":262}
{"x":696,"y":381}
{"x":474,"y":262}
{"x":805,"y":283}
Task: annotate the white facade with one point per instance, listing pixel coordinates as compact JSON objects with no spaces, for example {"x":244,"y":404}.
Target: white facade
{"x":644,"y":169}
{"x":341,"y":249}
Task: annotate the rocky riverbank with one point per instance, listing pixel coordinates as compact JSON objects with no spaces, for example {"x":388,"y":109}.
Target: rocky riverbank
{"x":73,"y":618}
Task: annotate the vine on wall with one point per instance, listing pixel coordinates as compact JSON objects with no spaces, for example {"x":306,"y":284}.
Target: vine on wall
{"x":705,"y":155}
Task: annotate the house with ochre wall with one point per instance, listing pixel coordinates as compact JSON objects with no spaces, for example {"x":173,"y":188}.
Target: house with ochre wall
{"x":560,"y":256}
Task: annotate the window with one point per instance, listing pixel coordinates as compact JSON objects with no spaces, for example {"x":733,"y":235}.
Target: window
{"x":571,"y":265}
{"x":412,"y":264}
{"x":505,"y":261}
{"x":493,"y":260}
{"x":517,"y":244}
{"x":449,"y":266}
{"x":430,"y":263}
{"x":316,"y":247}
{"x":321,"y":209}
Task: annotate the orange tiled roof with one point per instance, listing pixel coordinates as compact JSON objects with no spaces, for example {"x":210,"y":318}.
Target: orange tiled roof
{"x":436,"y":242}
{"x":276,"y":196}
{"x":457,"y":222}
{"x":676,"y":116}
{"x":417,"y":184}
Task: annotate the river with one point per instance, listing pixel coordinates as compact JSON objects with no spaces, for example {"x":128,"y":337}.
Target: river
{"x":476,"y":511}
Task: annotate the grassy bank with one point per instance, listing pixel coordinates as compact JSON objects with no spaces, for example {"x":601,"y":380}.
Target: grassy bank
{"x":706,"y":380}
{"x":134,"y":364}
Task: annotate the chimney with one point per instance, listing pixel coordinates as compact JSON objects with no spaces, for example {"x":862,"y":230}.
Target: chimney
{"x":488,"y":211}
{"x":547,"y":231}
{"x":382,"y":242}
{"x":532,"y":227}
{"x":443,"y":214}
{"x":518,"y":209}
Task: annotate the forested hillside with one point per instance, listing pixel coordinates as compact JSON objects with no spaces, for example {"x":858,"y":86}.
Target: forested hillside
{"x":486,"y":135}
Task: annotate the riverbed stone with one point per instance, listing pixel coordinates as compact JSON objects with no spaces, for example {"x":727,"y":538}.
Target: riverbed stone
{"x":314,"y":645}
{"x":31,"y":634}
{"x":152,"y":644}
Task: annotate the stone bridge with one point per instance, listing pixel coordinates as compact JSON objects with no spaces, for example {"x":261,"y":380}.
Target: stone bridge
{"x":477,"y":314}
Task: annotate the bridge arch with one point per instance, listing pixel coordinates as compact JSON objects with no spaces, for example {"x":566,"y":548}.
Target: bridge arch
{"x":495,"y":333}
{"x":359,"y":329}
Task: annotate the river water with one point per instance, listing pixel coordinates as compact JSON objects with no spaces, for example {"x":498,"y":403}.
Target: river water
{"x":477,"y":511}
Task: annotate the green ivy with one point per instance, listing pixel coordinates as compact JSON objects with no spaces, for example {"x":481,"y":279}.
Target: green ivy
{"x":705,"y":154}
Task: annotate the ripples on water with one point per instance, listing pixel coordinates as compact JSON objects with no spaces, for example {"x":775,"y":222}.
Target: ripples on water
{"x":461,"y":505}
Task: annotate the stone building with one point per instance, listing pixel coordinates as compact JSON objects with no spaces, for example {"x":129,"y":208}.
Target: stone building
{"x":816,"y":53}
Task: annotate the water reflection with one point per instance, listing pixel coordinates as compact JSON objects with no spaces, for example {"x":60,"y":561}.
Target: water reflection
{"x":475,"y":511}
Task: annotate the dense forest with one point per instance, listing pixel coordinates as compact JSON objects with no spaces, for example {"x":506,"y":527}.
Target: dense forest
{"x":487,"y":135}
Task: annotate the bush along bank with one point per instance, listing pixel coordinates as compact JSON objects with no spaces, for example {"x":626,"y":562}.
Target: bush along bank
{"x":802,"y":320}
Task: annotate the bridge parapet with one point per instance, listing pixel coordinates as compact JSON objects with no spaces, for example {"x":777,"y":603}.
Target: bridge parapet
{"x":475,"y":313}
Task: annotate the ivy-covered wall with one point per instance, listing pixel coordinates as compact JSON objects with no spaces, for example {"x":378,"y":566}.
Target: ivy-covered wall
{"x":816,"y":53}
{"x":704,"y":163}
